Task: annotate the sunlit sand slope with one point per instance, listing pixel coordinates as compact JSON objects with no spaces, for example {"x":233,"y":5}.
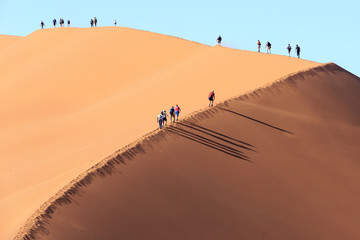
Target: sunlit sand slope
{"x":279,"y":163}
{"x":70,"y":97}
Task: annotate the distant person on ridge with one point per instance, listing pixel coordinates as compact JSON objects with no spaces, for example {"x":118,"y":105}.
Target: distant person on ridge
{"x":211,"y":98}
{"x":91,"y":22}
{"x":164,"y":117}
{"x":297,"y":50}
{"x":54,"y":22}
{"x":61,"y":21}
{"x":289,"y":49}
{"x":42,"y":24}
{"x":68,"y":23}
{"x":172,"y":113}
{"x":259,"y":45}
{"x":268,"y":47}
{"x":95,"y":21}
{"x":177,"y":112}
{"x":160,"y":119}
{"x":115,"y":22}
{"x":219,"y":39}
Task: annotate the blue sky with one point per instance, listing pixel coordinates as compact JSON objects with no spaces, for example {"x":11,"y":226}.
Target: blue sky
{"x":327,"y":31}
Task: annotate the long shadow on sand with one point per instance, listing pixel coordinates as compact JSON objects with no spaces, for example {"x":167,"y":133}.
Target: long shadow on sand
{"x":255,"y":120}
{"x":212,"y":139}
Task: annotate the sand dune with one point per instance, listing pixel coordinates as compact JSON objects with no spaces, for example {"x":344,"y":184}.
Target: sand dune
{"x":6,"y":40}
{"x":71,"y":97}
{"x":279,"y":163}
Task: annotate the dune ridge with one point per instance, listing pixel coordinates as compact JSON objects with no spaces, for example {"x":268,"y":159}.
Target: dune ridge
{"x":37,"y":223}
{"x":72,"y":96}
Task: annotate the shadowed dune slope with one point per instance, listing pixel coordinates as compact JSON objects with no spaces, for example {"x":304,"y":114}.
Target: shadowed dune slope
{"x":281,"y":162}
{"x":70,"y":97}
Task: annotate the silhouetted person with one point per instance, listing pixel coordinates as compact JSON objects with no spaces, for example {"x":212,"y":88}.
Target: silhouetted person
{"x":211,"y":98}
{"x":42,"y":24}
{"x":95,"y":21}
{"x":219,"y":39}
{"x":289,"y":49}
{"x":91,"y":22}
{"x":54,"y":22}
{"x":297,"y":51}
{"x":68,"y":23}
{"x":61,"y":21}
{"x":259,"y":45}
{"x":115,"y":22}
{"x":268,"y":47}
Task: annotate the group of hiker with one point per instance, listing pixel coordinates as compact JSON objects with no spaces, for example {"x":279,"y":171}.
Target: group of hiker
{"x":268,"y":48}
{"x":175,"y":111}
{"x":54,"y":21}
{"x":162,"y":117}
{"x":93,"y":22}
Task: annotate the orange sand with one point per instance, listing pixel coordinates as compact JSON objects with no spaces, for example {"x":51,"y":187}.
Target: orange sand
{"x":280,"y":163}
{"x":70,"y":97}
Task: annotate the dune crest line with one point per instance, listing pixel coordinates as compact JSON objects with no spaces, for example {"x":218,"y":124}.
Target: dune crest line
{"x":38,"y":221}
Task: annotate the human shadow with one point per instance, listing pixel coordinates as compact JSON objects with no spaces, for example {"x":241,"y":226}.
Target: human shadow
{"x":221,"y":136}
{"x":227,"y":146}
{"x":255,"y":120}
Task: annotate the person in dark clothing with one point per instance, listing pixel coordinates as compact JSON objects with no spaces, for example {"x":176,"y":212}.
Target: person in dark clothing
{"x":289,"y":49}
{"x":219,"y":39}
{"x":259,"y":45}
{"x":95,"y":21}
{"x":68,"y":23}
{"x":42,"y":24}
{"x":172,"y":114}
{"x":91,"y":22}
{"x":297,"y":51}
{"x":211,"y":98}
{"x":54,"y":22}
{"x":268,"y":47}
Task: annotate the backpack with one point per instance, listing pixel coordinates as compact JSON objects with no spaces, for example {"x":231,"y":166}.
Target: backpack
{"x":211,"y":94}
{"x":171,"y":111}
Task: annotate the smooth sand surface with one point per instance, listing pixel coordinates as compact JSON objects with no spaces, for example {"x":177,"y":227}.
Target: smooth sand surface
{"x":7,"y":40}
{"x":280,"y":163}
{"x":70,"y":97}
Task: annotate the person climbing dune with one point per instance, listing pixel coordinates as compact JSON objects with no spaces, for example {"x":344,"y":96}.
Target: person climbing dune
{"x":164,"y":117}
{"x":172,"y":114}
{"x":297,"y":51}
{"x":160,"y":120}
{"x":211,"y":98}
{"x":268,"y":47}
{"x":177,"y":112}
{"x":289,"y":49}
{"x":219,"y":39}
